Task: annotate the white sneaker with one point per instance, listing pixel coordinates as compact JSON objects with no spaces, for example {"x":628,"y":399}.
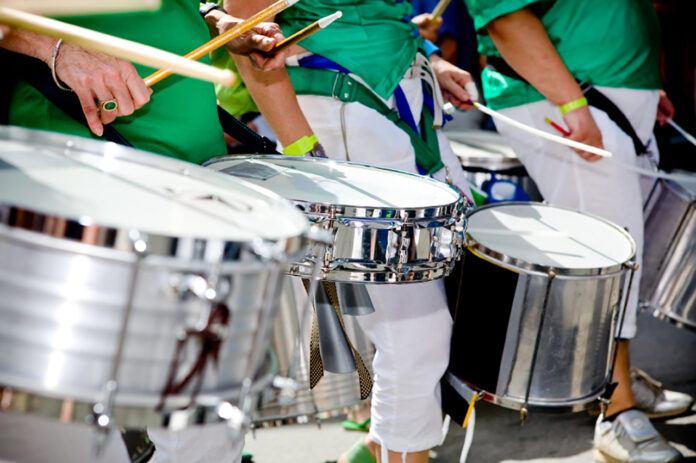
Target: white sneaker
{"x":631,"y":438}
{"x":655,"y":401}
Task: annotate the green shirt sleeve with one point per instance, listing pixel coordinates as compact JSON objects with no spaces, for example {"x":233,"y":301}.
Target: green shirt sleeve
{"x":485,"y":11}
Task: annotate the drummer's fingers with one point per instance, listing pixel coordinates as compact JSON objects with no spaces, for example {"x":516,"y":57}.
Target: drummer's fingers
{"x":103,"y":94}
{"x":89,"y":108}
{"x":119,"y":92}
{"x":136,"y":85}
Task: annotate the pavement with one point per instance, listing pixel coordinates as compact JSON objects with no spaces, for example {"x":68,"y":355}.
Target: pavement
{"x":666,"y":352}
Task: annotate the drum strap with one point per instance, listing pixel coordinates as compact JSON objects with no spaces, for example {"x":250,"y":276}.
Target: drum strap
{"x":594,"y":97}
{"x":316,"y":364}
{"x":211,"y":339}
{"x":339,"y":85}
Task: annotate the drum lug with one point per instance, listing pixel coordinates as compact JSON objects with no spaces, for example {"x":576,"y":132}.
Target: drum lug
{"x":287,"y":389}
{"x":201,"y":287}
{"x":100,"y":419}
{"x":524,"y":413}
{"x":237,"y":421}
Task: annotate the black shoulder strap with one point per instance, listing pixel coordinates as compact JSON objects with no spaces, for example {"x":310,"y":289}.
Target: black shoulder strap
{"x":594,"y":98}
{"x":39,"y":76}
{"x":247,"y":137}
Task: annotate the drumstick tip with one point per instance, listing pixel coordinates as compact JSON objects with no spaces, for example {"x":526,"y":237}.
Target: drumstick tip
{"x":327,"y":20}
{"x":292,"y":2}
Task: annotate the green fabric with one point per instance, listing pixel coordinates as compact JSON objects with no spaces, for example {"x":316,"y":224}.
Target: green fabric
{"x":181,"y":118}
{"x":358,"y":453}
{"x":324,"y":82}
{"x":236,"y":99}
{"x":372,"y":40}
{"x":607,"y":43}
{"x":350,"y":425}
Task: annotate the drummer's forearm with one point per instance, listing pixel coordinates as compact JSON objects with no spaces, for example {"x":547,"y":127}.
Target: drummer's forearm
{"x":246,"y":8}
{"x":274,"y":95}
{"x":29,"y":43}
{"x":524,"y":44}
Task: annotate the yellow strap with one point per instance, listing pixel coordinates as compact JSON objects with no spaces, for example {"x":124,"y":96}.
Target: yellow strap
{"x":301,"y":147}
{"x":471,"y":409}
{"x":571,"y":105}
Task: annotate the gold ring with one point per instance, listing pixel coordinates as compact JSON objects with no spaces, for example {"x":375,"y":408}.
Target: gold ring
{"x":108,"y":105}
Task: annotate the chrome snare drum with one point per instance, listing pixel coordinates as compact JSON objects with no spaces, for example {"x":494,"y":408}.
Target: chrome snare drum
{"x":668,"y":286}
{"x":388,"y":226}
{"x":538,"y":328}
{"x":131,"y":280}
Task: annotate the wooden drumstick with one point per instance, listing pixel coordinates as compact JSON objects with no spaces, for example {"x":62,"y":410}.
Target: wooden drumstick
{"x":81,"y":7}
{"x":114,"y":46}
{"x":439,"y":9}
{"x":304,"y":33}
{"x":223,"y":39}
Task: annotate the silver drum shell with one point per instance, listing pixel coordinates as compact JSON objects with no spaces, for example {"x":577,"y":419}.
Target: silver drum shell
{"x":668,"y":286}
{"x":333,"y":392}
{"x":61,"y":309}
{"x":374,"y":244}
{"x":529,"y":336}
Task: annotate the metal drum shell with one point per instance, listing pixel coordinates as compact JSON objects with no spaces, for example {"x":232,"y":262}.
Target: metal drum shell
{"x":668,"y":286}
{"x":62,"y":306}
{"x":65,"y":282}
{"x":376,"y":244}
{"x":494,"y":348}
{"x":333,"y":392}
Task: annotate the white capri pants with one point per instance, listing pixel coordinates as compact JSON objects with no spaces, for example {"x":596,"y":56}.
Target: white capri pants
{"x":602,"y":188}
{"x":32,"y":439}
{"x":411,"y":325}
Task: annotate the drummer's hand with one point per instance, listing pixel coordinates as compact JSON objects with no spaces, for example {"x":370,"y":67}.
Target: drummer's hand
{"x":665,"y":109}
{"x":583,"y":129}
{"x":261,"y":38}
{"x":96,"y":77}
{"x":457,"y":86}
{"x":427,"y":29}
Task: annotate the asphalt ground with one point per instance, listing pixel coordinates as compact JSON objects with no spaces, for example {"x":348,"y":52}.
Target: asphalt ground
{"x":666,"y":352}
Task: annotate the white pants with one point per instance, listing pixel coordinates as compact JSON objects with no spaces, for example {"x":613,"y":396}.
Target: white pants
{"x":411,"y":325}
{"x":31,"y":439}
{"x":602,"y":188}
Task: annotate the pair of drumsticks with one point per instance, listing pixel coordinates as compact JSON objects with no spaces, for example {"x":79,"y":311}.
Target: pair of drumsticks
{"x":168,"y":63}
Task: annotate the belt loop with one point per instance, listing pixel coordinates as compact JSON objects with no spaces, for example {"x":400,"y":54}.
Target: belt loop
{"x":339,"y":77}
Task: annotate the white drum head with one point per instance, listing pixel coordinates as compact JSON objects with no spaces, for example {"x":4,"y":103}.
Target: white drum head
{"x":326,"y":181}
{"x":548,"y":236}
{"x":104,"y":184}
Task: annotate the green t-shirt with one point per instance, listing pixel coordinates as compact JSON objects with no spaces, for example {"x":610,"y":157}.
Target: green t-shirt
{"x":374,"y":39}
{"x":612,"y":43}
{"x":181,"y":118}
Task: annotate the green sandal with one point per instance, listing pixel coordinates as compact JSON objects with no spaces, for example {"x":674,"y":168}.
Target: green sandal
{"x":350,"y":425}
{"x":358,"y":453}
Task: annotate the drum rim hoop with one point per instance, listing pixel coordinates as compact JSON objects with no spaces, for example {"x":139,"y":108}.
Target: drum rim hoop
{"x":127,"y":154}
{"x":507,"y":261}
{"x":449,"y":208}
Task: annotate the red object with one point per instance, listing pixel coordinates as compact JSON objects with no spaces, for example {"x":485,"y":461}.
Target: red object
{"x":557,"y":127}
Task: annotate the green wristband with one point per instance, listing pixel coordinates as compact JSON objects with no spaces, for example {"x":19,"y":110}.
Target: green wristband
{"x":301,"y":147}
{"x":575,"y":104}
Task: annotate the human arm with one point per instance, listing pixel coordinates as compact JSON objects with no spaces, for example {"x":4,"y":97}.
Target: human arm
{"x":456,"y":84}
{"x":261,"y":38}
{"x":272,"y":90}
{"x":665,"y":109}
{"x":427,"y":29}
{"x":93,"y":76}
{"x":524,"y":44}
